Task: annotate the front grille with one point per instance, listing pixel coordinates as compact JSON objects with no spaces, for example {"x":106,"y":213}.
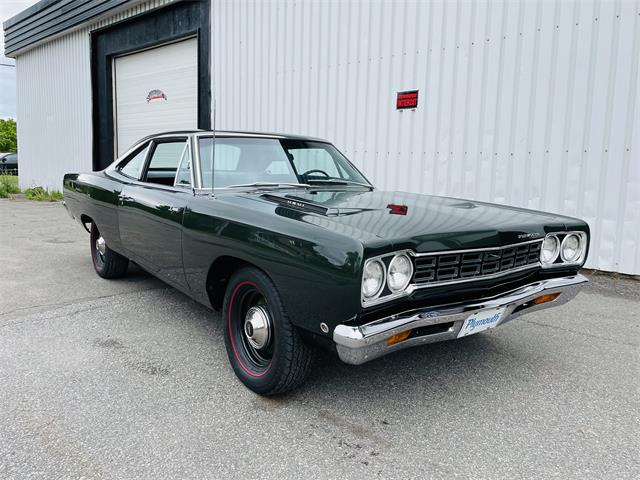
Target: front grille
{"x":470,"y":264}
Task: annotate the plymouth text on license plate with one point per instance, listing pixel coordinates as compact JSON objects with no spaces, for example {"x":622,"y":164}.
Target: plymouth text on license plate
{"x":480,"y":321}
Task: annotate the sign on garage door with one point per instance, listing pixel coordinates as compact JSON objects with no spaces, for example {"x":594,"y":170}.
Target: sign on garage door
{"x":156,"y":90}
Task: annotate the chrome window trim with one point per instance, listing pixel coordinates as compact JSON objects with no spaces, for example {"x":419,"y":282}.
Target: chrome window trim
{"x":114,"y":171}
{"x":127,"y":157}
{"x":148,"y":139}
{"x":185,"y":150}
{"x":195,"y":156}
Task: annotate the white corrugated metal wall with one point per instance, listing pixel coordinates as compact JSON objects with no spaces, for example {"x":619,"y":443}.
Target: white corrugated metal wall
{"x":53,"y":96}
{"x":54,"y":110}
{"x":526,"y":103}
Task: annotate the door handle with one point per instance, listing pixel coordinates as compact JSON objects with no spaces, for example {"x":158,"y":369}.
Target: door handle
{"x":124,"y":198}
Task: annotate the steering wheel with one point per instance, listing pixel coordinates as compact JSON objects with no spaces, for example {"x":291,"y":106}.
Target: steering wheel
{"x":305,"y":174}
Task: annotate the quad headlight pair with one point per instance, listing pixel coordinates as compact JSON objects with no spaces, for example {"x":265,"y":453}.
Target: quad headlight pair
{"x":571,"y":249}
{"x":386,"y":276}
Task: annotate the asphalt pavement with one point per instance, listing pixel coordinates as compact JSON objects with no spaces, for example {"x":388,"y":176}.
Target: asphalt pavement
{"x":129,"y":379}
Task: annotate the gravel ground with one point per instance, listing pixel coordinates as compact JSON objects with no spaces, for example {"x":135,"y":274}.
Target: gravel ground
{"x":129,"y":379}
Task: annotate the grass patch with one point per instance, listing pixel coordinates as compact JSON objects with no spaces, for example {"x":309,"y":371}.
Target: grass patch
{"x":40,"y":194}
{"x":8,"y":185}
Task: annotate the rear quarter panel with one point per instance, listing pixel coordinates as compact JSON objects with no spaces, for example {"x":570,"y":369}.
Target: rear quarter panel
{"x":95,"y":195}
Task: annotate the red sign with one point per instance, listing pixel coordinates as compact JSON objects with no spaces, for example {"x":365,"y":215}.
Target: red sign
{"x":396,"y":209}
{"x":407,"y":100}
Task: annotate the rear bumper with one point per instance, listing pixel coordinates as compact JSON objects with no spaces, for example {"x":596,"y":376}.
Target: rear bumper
{"x":358,"y":345}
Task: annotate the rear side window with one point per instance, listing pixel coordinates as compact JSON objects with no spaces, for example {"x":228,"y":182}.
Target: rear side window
{"x":133,"y":167}
{"x":164,"y":162}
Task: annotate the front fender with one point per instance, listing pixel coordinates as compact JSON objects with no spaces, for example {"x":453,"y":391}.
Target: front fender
{"x":317,"y":272}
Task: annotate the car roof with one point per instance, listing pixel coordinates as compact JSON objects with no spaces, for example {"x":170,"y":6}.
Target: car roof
{"x":234,"y":133}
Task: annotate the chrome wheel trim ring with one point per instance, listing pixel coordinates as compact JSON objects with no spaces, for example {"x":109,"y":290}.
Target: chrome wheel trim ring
{"x":101,"y":247}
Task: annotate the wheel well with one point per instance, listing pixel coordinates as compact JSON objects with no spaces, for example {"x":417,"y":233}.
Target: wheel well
{"x":86,"y":219}
{"x":218,"y":277}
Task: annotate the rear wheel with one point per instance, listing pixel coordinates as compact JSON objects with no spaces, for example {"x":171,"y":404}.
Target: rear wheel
{"x":264,"y":348}
{"x":106,"y":262}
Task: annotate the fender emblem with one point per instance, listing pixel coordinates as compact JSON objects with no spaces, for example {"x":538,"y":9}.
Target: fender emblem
{"x":529,"y":235}
{"x":293,"y":203}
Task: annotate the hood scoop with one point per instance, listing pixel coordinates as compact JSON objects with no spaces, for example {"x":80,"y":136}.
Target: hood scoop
{"x":299,"y":204}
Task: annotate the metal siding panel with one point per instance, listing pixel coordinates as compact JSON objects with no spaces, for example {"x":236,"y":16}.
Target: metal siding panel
{"x":526,"y":103}
{"x":54,"y":111}
{"x":53,"y":93}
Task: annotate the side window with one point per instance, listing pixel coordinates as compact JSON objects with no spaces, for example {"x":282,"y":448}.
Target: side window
{"x":164,"y":162}
{"x":306,"y":159}
{"x":133,"y":167}
{"x":183,"y":177}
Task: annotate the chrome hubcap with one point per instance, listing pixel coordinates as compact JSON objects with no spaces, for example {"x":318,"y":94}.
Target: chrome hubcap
{"x":257,"y":327}
{"x":101,"y":246}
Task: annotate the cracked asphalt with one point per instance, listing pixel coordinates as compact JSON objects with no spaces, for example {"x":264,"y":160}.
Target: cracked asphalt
{"x":129,"y":379}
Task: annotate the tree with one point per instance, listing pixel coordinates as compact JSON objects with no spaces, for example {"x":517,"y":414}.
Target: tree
{"x":8,"y":136}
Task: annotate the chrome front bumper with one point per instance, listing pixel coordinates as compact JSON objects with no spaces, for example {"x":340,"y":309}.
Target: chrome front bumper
{"x":358,"y":345}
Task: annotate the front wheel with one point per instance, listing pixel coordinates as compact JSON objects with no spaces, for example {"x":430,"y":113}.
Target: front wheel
{"x":264,"y":348}
{"x":106,"y":262}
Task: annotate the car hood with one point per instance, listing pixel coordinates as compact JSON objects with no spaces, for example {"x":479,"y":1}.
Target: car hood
{"x":424,"y":223}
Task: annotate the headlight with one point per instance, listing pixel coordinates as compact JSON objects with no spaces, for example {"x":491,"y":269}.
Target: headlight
{"x":572,"y":248}
{"x":550,"y":250}
{"x":373,"y":278}
{"x":400,"y":271}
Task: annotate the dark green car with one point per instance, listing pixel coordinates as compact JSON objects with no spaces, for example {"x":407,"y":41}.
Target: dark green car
{"x":298,"y":250}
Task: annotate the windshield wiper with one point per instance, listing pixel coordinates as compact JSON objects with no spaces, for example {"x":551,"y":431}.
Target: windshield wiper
{"x":337,"y":181}
{"x":269,"y":185}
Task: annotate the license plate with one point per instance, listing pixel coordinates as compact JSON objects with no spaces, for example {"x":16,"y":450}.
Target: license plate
{"x":480,"y":321}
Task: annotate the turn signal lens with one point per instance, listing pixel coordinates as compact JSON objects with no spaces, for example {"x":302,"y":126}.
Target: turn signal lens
{"x":398,"y":337}
{"x":547,"y":297}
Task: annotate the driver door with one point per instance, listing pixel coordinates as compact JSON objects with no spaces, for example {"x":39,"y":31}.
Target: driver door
{"x":151,"y":209}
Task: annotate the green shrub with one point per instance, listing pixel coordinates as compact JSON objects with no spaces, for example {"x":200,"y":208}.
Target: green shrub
{"x":41,"y":194}
{"x":8,"y":186}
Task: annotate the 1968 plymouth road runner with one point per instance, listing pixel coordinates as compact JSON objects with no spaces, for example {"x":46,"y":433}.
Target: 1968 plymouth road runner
{"x":298,"y":250}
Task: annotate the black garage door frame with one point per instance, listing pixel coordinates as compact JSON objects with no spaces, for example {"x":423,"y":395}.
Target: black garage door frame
{"x":165,"y":25}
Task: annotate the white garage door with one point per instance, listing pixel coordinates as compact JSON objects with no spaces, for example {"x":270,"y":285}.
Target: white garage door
{"x":156,"y":90}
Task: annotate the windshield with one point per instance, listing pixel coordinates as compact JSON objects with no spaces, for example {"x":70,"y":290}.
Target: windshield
{"x":244,"y":161}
